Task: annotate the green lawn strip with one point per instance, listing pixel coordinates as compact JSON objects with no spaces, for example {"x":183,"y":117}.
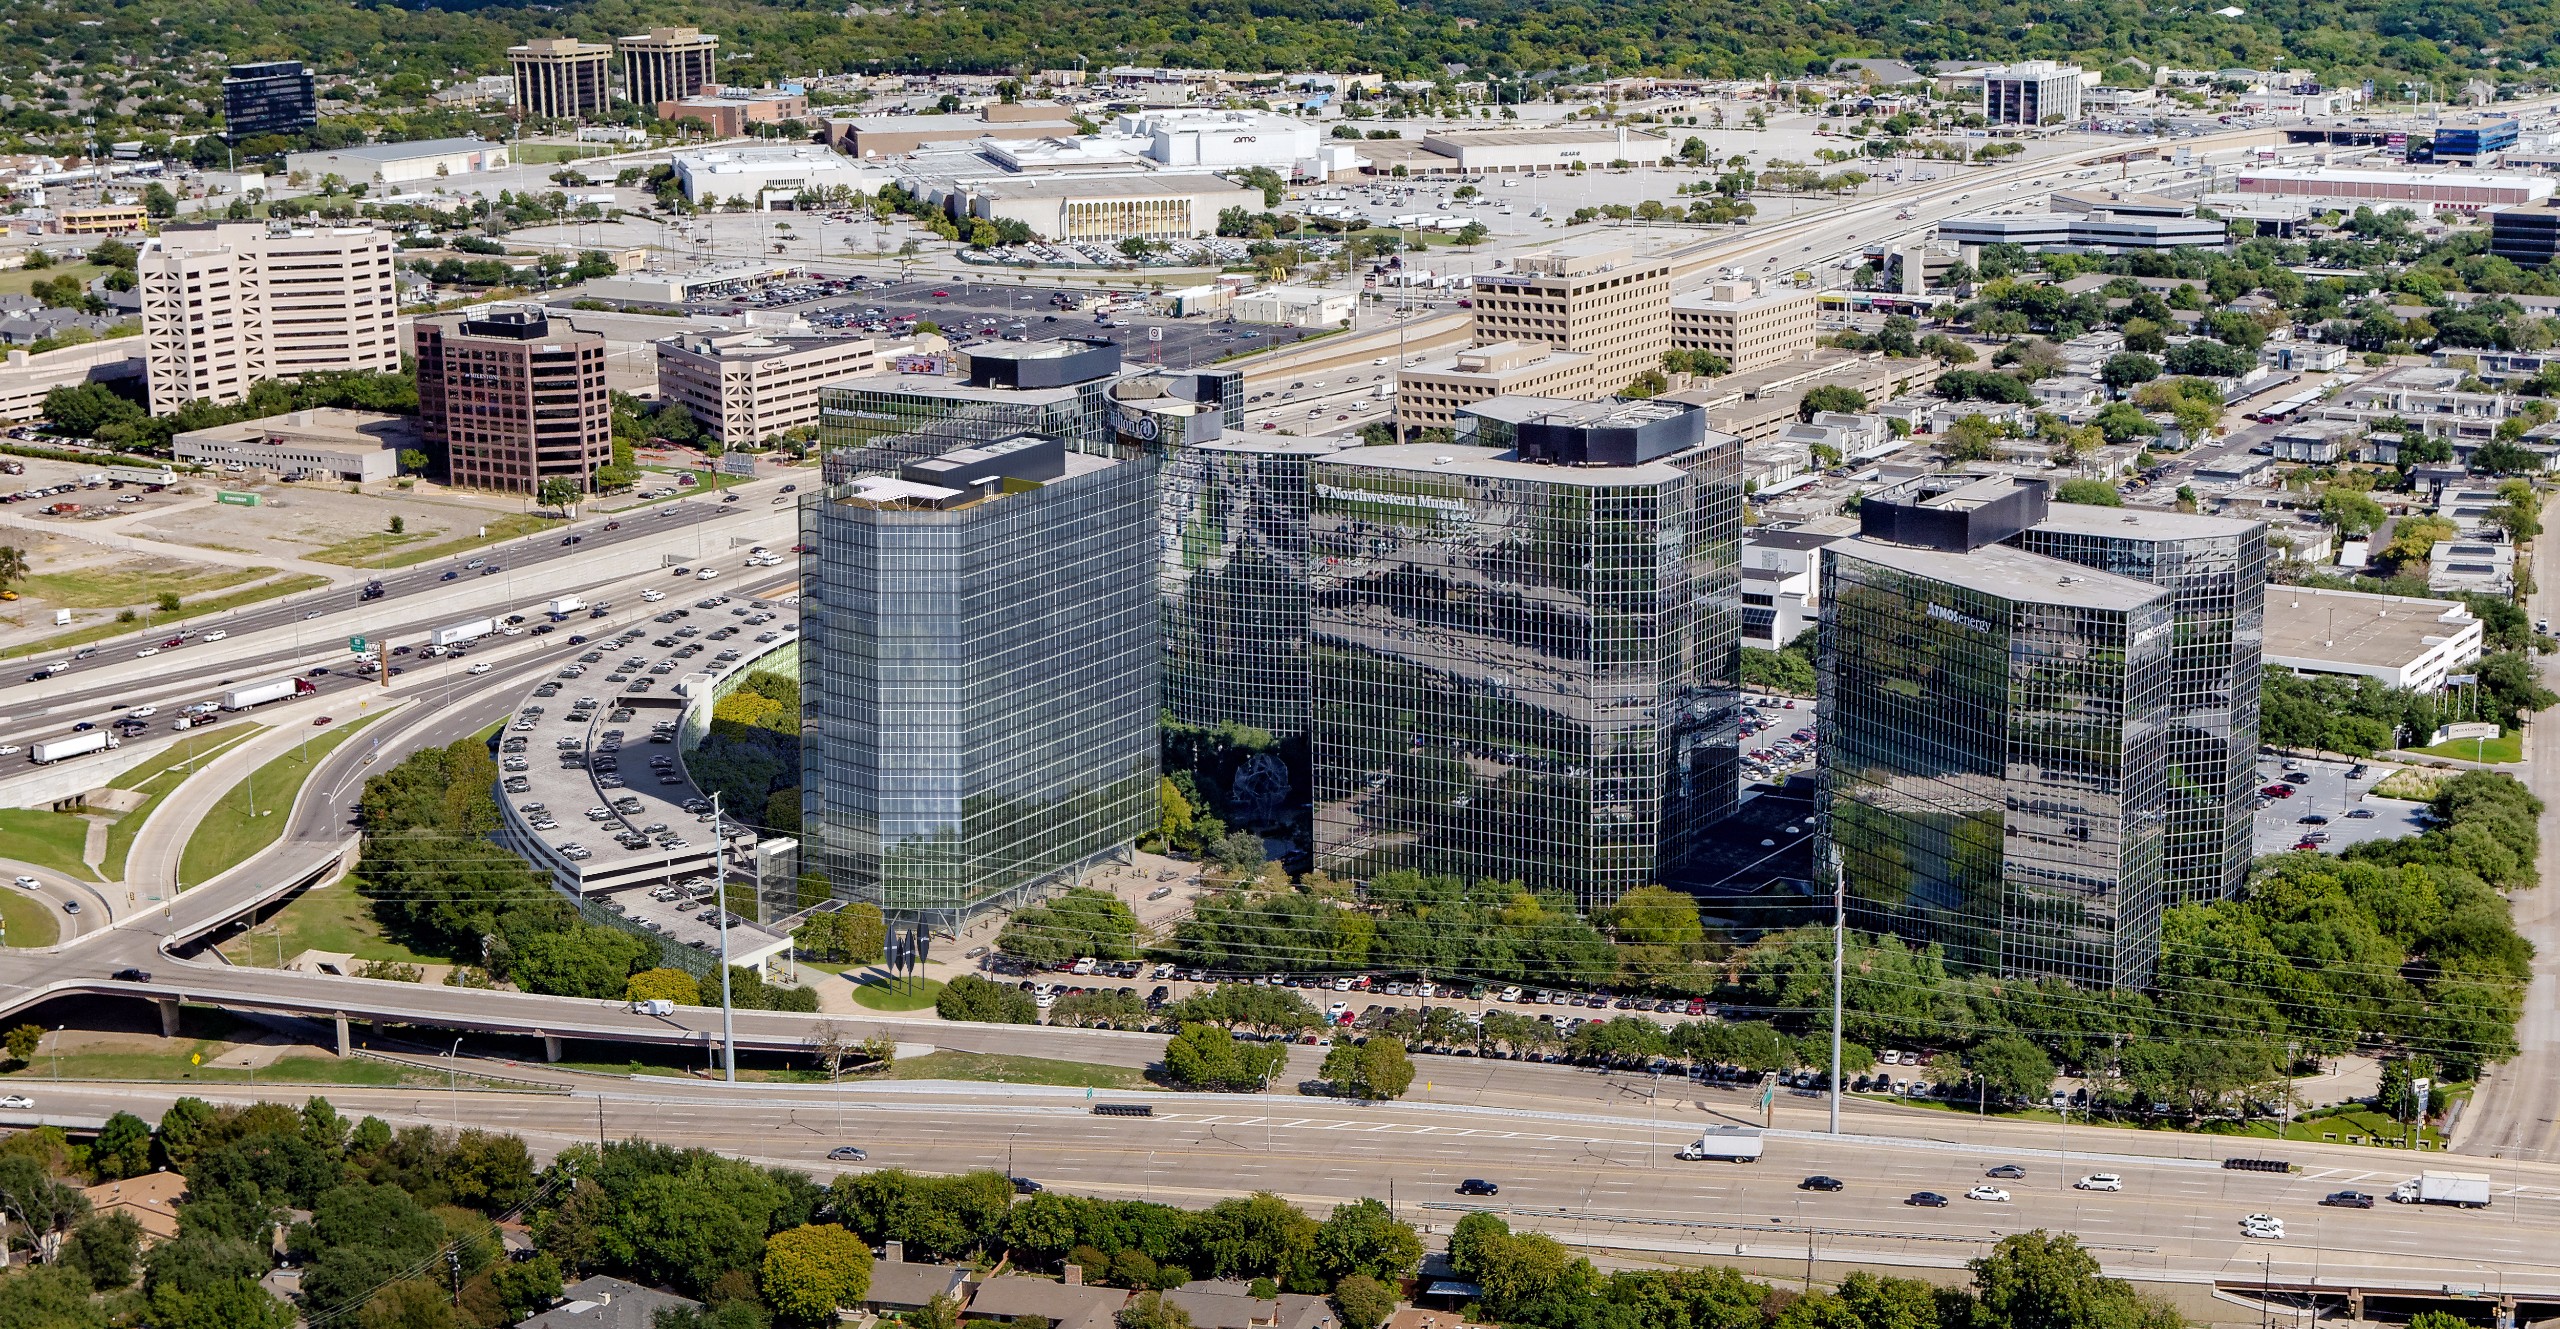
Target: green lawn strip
{"x":884,"y":997}
{"x":212,"y":604}
{"x":398,"y":551}
{"x":2506,"y":747}
{"x":2308,"y":1130}
{"x":109,"y":587}
{"x":50,"y":840}
{"x":155,"y":780}
{"x":175,"y":1065}
{"x":229,"y":836}
{"x":998,"y":1069}
{"x":325,"y":918}
{"x":21,"y":281}
{"x":30,"y":918}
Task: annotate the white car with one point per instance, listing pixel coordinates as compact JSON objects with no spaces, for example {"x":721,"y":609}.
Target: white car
{"x":653,"y":596}
{"x":2099,"y":1181}
{"x":143,"y":712}
{"x":146,"y":652}
{"x":28,"y":883}
{"x":16,"y":1101}
{"x":8,"y":749}
{"x":706,"y":574}
{"x":2262,"y":1227}
{"x":480,"y":668}
{"x":1993,"y":1194}
{"x":216,"y":635}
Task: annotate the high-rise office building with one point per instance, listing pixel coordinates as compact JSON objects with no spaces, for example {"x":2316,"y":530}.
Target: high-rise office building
{"x":1235,"y":573}
{"x":560,"y":78}
{"x":510,"y":399}
{"x":1526,"y":654}
{"x":1593,"y":297}
{"x":270,"y":97}
{"x":1053,"y":389}
{"x":980,"y":679}
{"x":2031,"y":92}
{"x":229,"y":303}
{"x":745,"y":387}
{"x":1994,"y":758}
{"x":667,"y":64}
{"x":2216,"y":567}
{"x":1748,"y":324}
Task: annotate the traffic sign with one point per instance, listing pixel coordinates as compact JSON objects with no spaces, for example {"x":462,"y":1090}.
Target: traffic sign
{"x":356,"y":644}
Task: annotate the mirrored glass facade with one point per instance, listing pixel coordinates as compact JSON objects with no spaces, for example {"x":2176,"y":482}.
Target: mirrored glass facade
{"x":979,"y":683}
{"x":1524,"y":670}
{"x":1234,"y":518}
{"x":2216,"y":567}
{"x":1993,"y":756}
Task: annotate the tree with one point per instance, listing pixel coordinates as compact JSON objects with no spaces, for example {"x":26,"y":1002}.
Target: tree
{"x":557,"y":492}
{"x":2010,"y":1067}
{"x":2096,"y":493}
{"x":984,"y":1001}
{"x":1362,"y":1238}
{"x":2353,"y":512}
{"x":581,"y":961}
{"x":23,"y":1041}
{"x":413,"y":461}
{"x":813,"y":1270}
{"x":107,"y":1248}
{"x":663,"y":985}
{"x":2128,"y":369}
{"x":1830,"y":397}
{"x":1973,"y":438}
{"x":1150,"y":1310}
{"x":2040,"y":1280}
{"x":1363,"y":1302}
{"x":1205,"y":1056}
{"x":123,"y":1148}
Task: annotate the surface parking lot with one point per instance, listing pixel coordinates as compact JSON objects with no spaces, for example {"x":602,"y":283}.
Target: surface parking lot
{"x":2325,"y":790}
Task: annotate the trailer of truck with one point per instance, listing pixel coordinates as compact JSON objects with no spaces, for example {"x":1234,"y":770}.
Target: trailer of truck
{"x":563,"y":606}
{"x":259,"y":694}
{"x":45,"y":752}
{"x":2466,"y":1190}
{"x":461,"y":632}
{"x":1727,"y":1144}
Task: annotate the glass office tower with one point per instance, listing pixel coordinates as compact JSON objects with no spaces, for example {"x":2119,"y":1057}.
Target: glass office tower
{"x":2216,"y":567}
{"x":1526,"y":660}
{"x":1994,"y":749}
{"x":1235,"y":582}
{"x":980,"y":680}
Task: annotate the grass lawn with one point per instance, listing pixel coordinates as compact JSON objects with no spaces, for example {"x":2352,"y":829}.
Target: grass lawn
{"x":2508,"y":746}
{"x":50,"y":840}
{"x":2334,"y":1128}
{"x":1016,"y":1070}
{"x":19,"y":281}
{"x":211,"y":604}
{"x":131,"y":584}
{"x":156,"y":779}
{"x":177,"y":1064}
{"x":326,"y":918}
{"x":385,"y":550}
{"x":882,"y":997}
{"x":532,"y":154}
{"x":229,"y":835}
{"x":29,"y":918}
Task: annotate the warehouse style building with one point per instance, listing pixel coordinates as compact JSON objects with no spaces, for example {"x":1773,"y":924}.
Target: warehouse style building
{"x":1148,"y":206}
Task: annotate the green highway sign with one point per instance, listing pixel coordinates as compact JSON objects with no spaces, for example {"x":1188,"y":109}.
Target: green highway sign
{"x":356,"y":644}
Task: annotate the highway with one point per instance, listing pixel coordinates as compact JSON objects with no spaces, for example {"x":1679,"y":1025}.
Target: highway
{"x":1592,"y":1179}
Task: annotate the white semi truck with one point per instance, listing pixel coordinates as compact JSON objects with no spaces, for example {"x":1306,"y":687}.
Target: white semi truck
{"x":259,"y":694}
{"x":2466,"y":1190}
{"x":457,"y":633}
{"x":45,"y":752}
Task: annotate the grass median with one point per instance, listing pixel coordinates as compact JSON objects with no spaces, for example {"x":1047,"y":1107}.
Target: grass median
{"x":252,"y":814}
{"x":330,"y":918}
{"x":49,"y":840}
{"x":195,"y":609}
{"x":30,"y":919}
{"x":158,"y":778}
{"x":384,"y":550}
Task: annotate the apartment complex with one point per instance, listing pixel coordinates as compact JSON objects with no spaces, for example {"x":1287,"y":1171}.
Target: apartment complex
{"x":508,"y":399}
{"x":1747,"y":323}
{"x":2216,"y":568}
{"x":980,"y":683}
{"x":561,"y":78}
{"x":1433,"y":393}
{"x":2031,"y":92}
{"x":229,"y":303}
{"x":1994,"y":756}
{"x":1526,"y":656}
{"x":667,"y":64}
{"x":270,"y":97}
{"x":1590,"y":297}
{"x":745,"y":387}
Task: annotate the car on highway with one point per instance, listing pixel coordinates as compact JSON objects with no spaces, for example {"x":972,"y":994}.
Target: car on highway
{"x":146,"y":652}
{"x":1927,"y":1200}
{"x":142,"y":712}
{"x":2099,"y":1181}
{"x":1819,"y":1182}
{"x":480,"y":668}
{"x":1478,"y":1186}
{"x":573,"y":539}
{"x":16,"y":1102}
{"x":613,"y":526}
{"x":449,"y":575}
{"x":846,"y":1153}
{"x":2008,"y":1172}
{"x":1026,"y":1186}
{"x":28,"y":883}
{"x":2347,"y":1200}
{"x":491,"y":570}
{"x":319,"y":720}
{"x":2264,"y":1227}
{"x":9,"y":749}
{"x":71,"y":906}
{"x":133,"y":975}
{"x":1988,"y":1195}
{"x":310,"y":616}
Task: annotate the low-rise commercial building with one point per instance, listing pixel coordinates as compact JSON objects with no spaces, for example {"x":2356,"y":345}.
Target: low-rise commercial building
{"x":2459,"y":565}
{"x":1745,"y":322}
{"x":1153,"y":206}
{"x":2399,"y":640}
{"x":2428,"y":397}
{"x":2106,"y":232}
{"x":2426,"y":192}
{"x":1506,"y":151}
{"x":26,"y":376}
{"x":871,"y":136}
{"x":324,"y":442}
{"x":399,"y":163}
{"x":768,"y":175}
{"x":730,"y":112}
{"x":1430,"y":394}
{"x":745,"y":387}
{"x":1202,"y":138}
{"x":1296,"y":307}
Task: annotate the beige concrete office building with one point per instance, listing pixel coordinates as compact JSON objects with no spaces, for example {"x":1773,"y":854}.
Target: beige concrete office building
{"x":749,"y":386}
{"x":1154,"y":206}
{"x":1593,"y":298}
{"x":1748,"y":324}
{"x":227,"y":304}
{"x":667,"y":64}
{"x":558,"y":78}
{"x":1430,"y":394}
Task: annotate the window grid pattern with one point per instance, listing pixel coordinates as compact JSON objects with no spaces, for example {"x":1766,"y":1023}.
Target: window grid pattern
{"x":1525,"y":680}
{"x":980,"y":711}
{"x":1233,"y":568}
{"x":1992,"y":772}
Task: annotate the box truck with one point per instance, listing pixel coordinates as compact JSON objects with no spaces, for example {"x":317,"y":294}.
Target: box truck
{"x":259,"y":694}
{"x":2468,"y":1190}
{"x":462,"y":632}
{"x":1730,"y":1144}
{"x":561,"y":607}
{"x":51,"y":750}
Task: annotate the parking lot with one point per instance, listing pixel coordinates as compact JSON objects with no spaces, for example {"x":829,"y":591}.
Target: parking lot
{"x":2332,"y":790}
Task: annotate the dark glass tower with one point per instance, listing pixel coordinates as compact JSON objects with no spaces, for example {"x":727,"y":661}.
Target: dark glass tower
{"x":271,"y":97}
{"x":1525,"y":660}
{"x":1235,"y":582}
{"x":1994,"y":738}
{"x":2217,"y":569}
{"x":980,"y":677}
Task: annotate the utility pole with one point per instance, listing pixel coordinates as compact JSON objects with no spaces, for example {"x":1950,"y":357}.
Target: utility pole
{"x":1839,"y":948}
{"x":720,"y":888}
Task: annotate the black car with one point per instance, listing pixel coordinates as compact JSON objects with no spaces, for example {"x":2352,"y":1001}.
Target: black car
{"x":2008,"y":1172}
{"x":1927,"y":1200}
{"x":1478,"y":1186}
{"x":133,"y":975}
{"x":2347,"y":1200}
{"x":1026,"y":1186}
{"x":449,"y":575}
{"x":1821,"y":1183}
